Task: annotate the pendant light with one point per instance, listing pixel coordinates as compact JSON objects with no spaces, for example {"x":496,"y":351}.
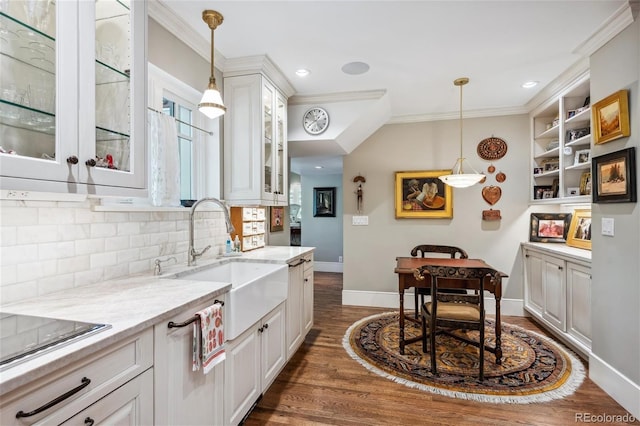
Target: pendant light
{"x":458,"y":178}
{"x":211,"y":104}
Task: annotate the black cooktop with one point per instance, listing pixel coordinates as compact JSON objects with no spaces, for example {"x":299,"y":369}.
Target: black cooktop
{"x":23,"y":337}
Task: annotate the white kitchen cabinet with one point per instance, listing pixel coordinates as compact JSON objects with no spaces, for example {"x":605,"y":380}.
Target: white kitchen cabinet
{"x":184,"y":396}
{"x":558,"y":291}
{"x":130,"y":404}
{"x":561,"y":127}
{"x":299,"y":302}
{"x":73,"y":97}
{"x":254,"y":360}
{"x":255,"y":141}
{"x":94,"y":380}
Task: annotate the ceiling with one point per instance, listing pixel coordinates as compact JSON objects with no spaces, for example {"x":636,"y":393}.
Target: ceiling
{"x":415,"y":49}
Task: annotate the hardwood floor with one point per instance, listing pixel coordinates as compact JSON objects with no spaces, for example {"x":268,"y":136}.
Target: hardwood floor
{"x":322,"y":385}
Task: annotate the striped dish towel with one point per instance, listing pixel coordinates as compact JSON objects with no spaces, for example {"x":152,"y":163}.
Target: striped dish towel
{"x":208,"y":338}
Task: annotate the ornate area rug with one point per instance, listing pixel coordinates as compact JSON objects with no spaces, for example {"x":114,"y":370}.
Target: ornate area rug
{"x":534,"y":368}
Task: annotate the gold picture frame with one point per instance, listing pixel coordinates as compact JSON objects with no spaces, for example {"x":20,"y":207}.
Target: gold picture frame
{"x":585,"y":183}
{"x":610,"y":117}
{"x":580,"y":229}
{"x":421,"y":195}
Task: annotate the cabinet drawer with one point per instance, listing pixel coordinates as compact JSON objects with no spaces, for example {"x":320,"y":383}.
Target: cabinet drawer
{"x":308,"y":258}
{"x":106,"y":370}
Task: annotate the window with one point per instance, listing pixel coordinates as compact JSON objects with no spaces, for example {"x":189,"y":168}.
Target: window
{"x":199,"y":139}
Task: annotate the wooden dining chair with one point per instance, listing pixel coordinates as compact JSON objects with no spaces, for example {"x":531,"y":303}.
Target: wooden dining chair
{"x":446,"y":312}
{"x":423,"y":250}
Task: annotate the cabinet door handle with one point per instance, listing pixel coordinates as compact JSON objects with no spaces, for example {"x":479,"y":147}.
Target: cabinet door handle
{"x":300,"y":262}
{"x":72,"y":160}
{"x":89,"y":421}
{"x":560,"y":268}
{"x":85,"y":383}
{"x":90,"y":162}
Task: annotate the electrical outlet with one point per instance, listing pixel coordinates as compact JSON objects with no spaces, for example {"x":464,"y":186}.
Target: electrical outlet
{"x":340,"y":259}
{"x":360,"y":220}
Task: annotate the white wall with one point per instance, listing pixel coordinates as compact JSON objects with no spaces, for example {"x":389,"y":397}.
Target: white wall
{"x":370,"y":251}
{"x":615,"y":295}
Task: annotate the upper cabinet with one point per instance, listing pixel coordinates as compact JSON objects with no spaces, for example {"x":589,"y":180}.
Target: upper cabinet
{"x":72,"y":96}
{"x":560,"y":149}
{"x":255,"y":139}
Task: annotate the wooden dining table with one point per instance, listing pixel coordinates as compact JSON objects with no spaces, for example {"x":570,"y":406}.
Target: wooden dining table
{"x":405,"y":268}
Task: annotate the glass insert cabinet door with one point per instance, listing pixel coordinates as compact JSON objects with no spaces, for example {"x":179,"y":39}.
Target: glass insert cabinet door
{"x":68,"y":80}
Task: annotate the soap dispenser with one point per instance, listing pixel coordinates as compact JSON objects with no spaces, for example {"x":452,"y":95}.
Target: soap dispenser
{"x":228,"y":245}
{"x":236,"y":244}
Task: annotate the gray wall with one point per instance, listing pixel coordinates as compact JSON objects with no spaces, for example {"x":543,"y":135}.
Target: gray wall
{"x":615,"y":295}
{"x":370,"y":251}
{"x":323,"y":233}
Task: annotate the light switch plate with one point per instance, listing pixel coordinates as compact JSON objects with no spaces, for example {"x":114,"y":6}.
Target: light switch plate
{"x":360,"y":220}
{"x":608,"y":226}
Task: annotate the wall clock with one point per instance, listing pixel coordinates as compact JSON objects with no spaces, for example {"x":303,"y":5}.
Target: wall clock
{"x":315,"y":120}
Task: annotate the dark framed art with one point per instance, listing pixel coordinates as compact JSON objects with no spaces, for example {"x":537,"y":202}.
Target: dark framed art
{"x":549,"y":227}
{"x":421,"y":195}
{"x":614,"y":177}
{"x":277,"y":219}
{"x":539,"y":192}
{"x":610,"y":118}
{"x":324,"y":202}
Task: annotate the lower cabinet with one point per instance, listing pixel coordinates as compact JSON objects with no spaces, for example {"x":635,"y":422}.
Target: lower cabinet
{"x":115,"y":383}
{"x":130,"y":404}
{"x":558,"y":292}
{"x":184,"y":396}
{"x":307,"y":295}
{"x":299,"y":302}
{"x":253,"y":361}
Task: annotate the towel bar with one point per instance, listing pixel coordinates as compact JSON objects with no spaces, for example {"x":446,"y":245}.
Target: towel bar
{"x":191,"y":320}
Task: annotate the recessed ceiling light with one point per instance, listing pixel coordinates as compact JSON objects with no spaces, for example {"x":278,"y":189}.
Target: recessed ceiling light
{"x":319,"y":167}
{"x":530,"y":84}
{"x":303,"y":72}
{"x":355,"y":68}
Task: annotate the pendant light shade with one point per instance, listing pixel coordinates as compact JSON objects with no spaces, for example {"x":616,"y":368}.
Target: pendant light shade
{"x":458,"y":178}
{"x":211,"y":104}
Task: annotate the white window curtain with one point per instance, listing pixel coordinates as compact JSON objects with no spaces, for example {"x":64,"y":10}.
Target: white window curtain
{"x":164,"y":160}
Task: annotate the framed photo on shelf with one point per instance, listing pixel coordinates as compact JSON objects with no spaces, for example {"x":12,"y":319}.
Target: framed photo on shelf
{"x":324,"y":200}
{"x":585,"y":183}
{"x":582,"y":156}
{"x":574,"y":134}
{"x":573,"y":191}
{"x":421,"y":195}
{"x":550,"y":165}
{"x":549,"y":227}
{"x":539,"y":191}
{"x":579,"y":234}
{"x":614,"y":175}
{"x":537,"y":170}
{"x":610,"y":117}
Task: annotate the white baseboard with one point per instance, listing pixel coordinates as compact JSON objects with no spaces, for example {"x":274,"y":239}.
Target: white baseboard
{"x":381,"y":299}
{"x":327,"y":266}
{"x":618,"y":386}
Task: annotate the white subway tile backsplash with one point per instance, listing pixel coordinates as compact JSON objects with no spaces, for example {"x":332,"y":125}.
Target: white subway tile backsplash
{"x":48,"y":246}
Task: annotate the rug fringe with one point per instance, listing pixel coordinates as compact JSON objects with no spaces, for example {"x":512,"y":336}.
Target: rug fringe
{"x":573,"y":382}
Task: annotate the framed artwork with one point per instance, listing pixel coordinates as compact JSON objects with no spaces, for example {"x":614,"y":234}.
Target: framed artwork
{"x":421,"y":194}
{"x":585,"y":183}
{"x":324,"y":202}
{"x":277,"y":219}
{"x":549,"y":227}
{"x":582,"y":156}
{"x":614,"y":177}
{"x":539,"y":191}
{"x":610,"y":117}
{"x":579,"y":234}
{"x":550,"y":165}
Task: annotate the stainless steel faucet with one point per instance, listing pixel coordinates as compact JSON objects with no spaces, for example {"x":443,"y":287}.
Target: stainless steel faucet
{"x":193,"y":254}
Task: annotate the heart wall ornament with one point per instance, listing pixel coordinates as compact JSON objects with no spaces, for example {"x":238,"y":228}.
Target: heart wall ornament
{"x":491,"y":194}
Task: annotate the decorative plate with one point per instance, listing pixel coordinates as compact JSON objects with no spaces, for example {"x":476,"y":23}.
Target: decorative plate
{"x":492,"y":148}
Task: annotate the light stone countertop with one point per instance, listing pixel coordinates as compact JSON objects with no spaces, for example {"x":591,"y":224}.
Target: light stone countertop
{"x":129,"y":305}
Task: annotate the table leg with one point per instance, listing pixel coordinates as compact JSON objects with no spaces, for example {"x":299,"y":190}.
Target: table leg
{"x":498,"y":333}
{"x":401,"y":324}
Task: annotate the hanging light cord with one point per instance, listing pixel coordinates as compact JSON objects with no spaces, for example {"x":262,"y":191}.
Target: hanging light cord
{"x":461,"y":158}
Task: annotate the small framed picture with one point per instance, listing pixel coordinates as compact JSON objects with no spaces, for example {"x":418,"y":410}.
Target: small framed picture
{"x":574,"y":134}
{"x":549,"y":227}
{"x":585,"y":183}
{"x":573,"y":191}
{"x":277,"y":219}
{"x":324,"y":200}
{"x":547,"y":194}
{"x":537,"y":170}
{"x":582,"y":156}
{"x":579,"y":234}
{"x":610,"y":117}
{"x":551,"y":165}
{"x":615,"y":177}
{"x":539,"y":190}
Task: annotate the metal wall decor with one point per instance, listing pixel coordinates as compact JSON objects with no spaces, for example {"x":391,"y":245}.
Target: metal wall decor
{"x":492,"y":148}
{"x":491,"y":194}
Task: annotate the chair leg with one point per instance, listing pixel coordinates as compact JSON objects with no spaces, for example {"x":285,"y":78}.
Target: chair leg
{"x":415,"y":303}
{"x":481,"y":349}
{"x":432,"y":343}
{"x":424,"y":331}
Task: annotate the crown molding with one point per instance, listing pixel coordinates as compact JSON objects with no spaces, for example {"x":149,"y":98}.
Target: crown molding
{"x":480,"y":113}
{"x":183,"y":31}
{"x":578,"y":71}
{"x":259,"y":64}
{"x":365,"y":95}
{"x":620,"y":20}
